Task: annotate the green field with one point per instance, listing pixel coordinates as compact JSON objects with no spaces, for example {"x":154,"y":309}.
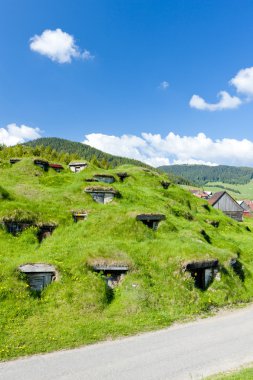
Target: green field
{"x":243,"y":374}
{"x":78,"y":309}
{"x":237,"y":191}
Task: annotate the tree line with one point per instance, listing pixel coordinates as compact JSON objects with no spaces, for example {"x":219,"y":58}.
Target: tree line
{"x":202,"y":174}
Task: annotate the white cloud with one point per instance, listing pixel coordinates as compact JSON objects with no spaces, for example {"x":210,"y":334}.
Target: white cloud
{"x":243,"y":81}
{"x":164,"y":85}
{"x":13,"y":134}
{"x":59,"y":46}
{"x":226,"y":102}
{"x":156,"y":150}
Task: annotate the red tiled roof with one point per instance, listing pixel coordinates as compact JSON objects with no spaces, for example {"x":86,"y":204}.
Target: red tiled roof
{"x":249,"y":204}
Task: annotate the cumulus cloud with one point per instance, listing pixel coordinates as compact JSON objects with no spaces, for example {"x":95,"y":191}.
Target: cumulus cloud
{"x":59,"y":46}
{"x":226,"y":102}
{"x":243,"y":81}
{"x":164,"y":85}
{"x":156,"y":150}
{"x":13,"y":134}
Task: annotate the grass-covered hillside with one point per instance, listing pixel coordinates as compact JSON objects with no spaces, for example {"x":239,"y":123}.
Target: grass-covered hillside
{"x":77,"y":308}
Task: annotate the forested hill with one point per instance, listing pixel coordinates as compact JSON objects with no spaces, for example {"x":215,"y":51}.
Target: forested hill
{"x":201,"y":174}
{"x":83,"y":151}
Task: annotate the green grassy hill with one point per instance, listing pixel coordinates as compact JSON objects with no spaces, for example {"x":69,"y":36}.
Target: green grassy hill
{"x":78,"y":308}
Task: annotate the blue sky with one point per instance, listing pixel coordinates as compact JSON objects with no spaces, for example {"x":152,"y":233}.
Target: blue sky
{"x":133,"y":77}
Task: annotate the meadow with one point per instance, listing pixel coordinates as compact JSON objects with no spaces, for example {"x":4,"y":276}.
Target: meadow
{"x":77,"y":309}
{"x":238,"y":191}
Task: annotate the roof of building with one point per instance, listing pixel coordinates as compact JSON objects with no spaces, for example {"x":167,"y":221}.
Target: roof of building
{"x":151,"y":217}
{"x":112,"y":268}
{"x":14,"y":160}
{"x":56,"y":166}
{"x":39,"y":161}
{"x":203,"y":264}
{"x":249,"y":204}
{"x":200,"y":194}
{"x":104,"y":175}
{"x":100,"y":189}
{"x":244,"y":205}
{"x":214,"y":199}
{"x":217,"y":196}
{"x":78,"y":163}
{"x":37,"y":268}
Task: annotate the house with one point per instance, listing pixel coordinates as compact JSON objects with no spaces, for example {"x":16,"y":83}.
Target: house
{"x":165,"y":184}
{"x":102,"y":195}
{"x":122,"y":176}
{"x":45,"y":230}
{"x":224,"y":202}
{"x":151,"y":220}
{"x":57,"y":167}
{"x":249,"y":204}
{"x":112,"y":274}
{"x":14,"y":160}
{"x":42,"y":164}
{"x":79,"y":215}
{"x":15,"y":227}
{"x":77,"y":167}
{"x":203,"y":272}
{"x":201,"y":194}
{"x":247,"y":211}
{"x":107,"y":178}
{"x":38,"y":276}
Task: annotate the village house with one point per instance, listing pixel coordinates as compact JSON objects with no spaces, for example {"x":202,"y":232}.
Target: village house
{"x":249,"y":204}
{"x":79,"y":215}
{"x":39,"y":275}
{"x":203,"y":272}
{"x":42,"y":164}
{"x":165,"y":184}
{"x":77,"y":167}
{"x":224,"y":202}
{"x":247,"y":211}
{"x":113,"y":274}
{"x":151,"y":220}
{"x":106,"y":178}
{"x":122,"y":176}
{"x":14,"y":160}
{"x":201,"y":194}
{"x":45,"y":230}
{"x":101,"y":195}
{"x":57,"y":167}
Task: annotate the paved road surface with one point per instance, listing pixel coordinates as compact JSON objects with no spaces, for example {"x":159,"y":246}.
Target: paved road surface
{"x":188,"y":351}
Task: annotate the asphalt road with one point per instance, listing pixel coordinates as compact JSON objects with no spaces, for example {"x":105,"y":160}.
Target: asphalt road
{"x":188,"y":351}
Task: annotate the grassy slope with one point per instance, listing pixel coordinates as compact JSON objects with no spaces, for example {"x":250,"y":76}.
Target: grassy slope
{"x":77,"y":309}
{"x":244,"y":374}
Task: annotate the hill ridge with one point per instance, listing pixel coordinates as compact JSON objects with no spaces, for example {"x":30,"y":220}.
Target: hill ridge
{"x":202,"y":174}
{"x":83,"y":150}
